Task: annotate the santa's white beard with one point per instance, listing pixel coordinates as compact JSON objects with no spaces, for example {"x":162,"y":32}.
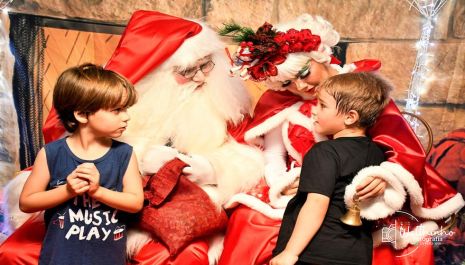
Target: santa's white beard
{"x":193,"y":120}
{"x":198,"y":127}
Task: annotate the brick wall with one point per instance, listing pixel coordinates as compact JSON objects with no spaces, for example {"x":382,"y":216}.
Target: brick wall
{"x":383,"y":29}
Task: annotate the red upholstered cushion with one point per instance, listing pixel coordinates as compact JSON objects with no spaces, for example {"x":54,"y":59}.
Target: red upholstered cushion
{"x":178,"y":210}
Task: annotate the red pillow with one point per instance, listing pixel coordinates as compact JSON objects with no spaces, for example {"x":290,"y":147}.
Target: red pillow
{"x":178,"y":210}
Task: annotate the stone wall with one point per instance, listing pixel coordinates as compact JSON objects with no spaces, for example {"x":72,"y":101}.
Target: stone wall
{"x":383,"y":29}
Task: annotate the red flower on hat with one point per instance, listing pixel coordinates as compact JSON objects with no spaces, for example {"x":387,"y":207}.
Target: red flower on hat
{"x":280,"y":38}
{"x":292,"y":36}
{"x":270,"y":48}
{"x":266,"y":67}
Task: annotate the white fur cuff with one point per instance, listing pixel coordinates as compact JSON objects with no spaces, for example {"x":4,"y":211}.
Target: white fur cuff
{"x":383,"y":205}
{"x":277,"y":199}
{"x":255,"y":204}
{"x":398,"y":180}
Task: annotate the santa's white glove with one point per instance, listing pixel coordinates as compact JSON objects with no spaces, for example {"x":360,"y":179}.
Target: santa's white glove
{"x":199,"y":170}
{"x":155,"y":157}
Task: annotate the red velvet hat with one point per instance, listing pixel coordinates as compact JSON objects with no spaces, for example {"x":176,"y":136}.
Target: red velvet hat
{"x":149,"y":39}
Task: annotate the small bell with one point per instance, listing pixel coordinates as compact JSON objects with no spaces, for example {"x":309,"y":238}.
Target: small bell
{"x":352,"y":216}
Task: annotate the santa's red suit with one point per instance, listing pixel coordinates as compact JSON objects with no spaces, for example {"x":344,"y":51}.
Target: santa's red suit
{"x":254,"y":224}
{"x":170,"y":118}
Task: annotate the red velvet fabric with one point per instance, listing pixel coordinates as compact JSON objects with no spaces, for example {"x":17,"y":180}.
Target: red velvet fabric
{"x":392,"y":132}
{"x":149,"y":39}
{"x":23,"y":246}
{"x":251,"y":237}
{"x":422,"y":254}
{"x":53,"y":129}
{"x":155,"y":253}
{"x":270,"y":103}
{"x":179,"y":211}
{"x":300,"y":138}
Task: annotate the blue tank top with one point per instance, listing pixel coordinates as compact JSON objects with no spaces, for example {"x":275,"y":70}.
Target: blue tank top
{"x":83,"y":231}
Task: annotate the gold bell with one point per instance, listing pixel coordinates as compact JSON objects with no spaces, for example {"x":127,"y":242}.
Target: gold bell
{"x":352,"y":216}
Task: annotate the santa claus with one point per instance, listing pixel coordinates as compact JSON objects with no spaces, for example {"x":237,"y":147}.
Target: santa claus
{"x":186,"y":103}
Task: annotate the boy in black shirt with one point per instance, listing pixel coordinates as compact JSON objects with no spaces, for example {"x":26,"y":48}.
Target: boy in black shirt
{"x":311,"y":232}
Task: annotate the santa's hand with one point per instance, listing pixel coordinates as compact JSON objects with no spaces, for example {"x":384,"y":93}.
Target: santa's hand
{"x":199,"y":170}
{"x":155,"y":157}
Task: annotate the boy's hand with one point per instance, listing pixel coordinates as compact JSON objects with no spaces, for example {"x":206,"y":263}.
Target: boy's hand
{"x":75,"y":184}
{"x":370,"y":187}
{"x":88,"y":172}
{"x":284,"y":258}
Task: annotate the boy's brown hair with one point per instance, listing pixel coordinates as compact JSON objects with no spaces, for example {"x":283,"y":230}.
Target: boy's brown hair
{"x":366,"y":93}
{"x":88,"y":88}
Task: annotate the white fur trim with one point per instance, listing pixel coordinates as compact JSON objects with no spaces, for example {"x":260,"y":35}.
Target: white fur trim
{"x":270,"y":123}
{"x":255,"y":204}
{"x":215,"y":248}
{"x":441,"y":211}
{"x":402,"y":240}
{"x":13,"y":216}
{"x":238,"y":167}
{"x":414,"y":190}
{"x":136,"y":240}
{"x":381,"y":206}
{"x":195,"y":48}
{"x":393,"y":198}
{"x":287,"y":143}
{"x":407,"y":180}
{"x":300,"y":119}
{"x":278,"y":200}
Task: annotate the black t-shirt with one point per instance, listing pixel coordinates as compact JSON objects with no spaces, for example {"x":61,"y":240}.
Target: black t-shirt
{"x":327,"y":169}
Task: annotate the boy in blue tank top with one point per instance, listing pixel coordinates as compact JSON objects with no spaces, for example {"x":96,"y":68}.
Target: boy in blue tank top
{"x":87,"y":183}
{"x":311,"y":231}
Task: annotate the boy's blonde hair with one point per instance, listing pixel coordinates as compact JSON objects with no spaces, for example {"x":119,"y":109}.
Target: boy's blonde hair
{"x":366,"y":93}
{"x":88,"y":88}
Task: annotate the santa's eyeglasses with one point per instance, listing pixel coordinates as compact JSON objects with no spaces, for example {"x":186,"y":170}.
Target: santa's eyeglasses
{"x":191,"y":72}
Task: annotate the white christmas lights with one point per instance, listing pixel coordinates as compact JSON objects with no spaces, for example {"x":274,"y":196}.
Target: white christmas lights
{"x":429,"y":9}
